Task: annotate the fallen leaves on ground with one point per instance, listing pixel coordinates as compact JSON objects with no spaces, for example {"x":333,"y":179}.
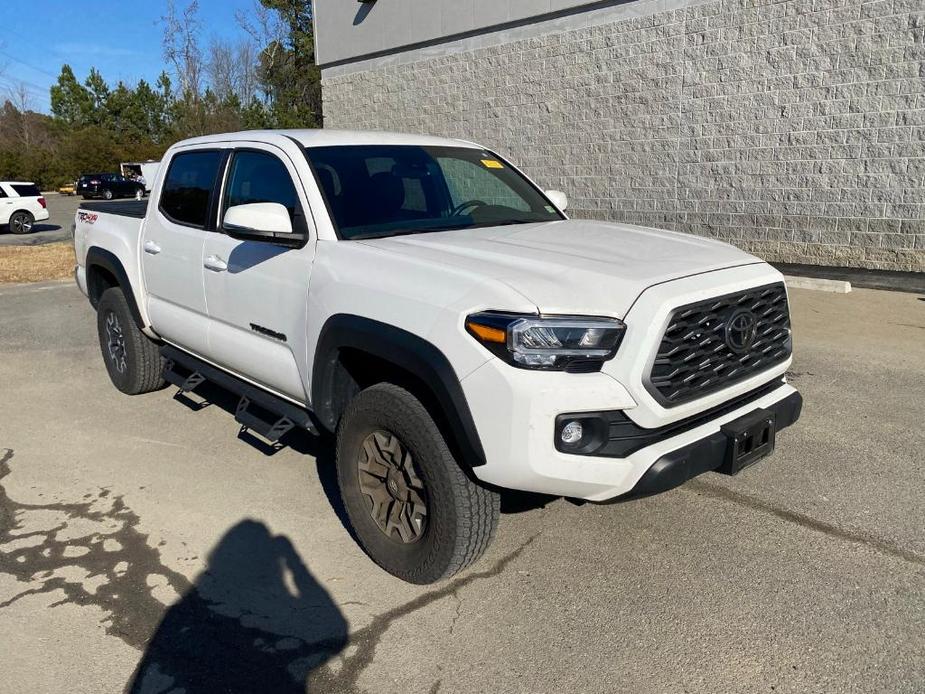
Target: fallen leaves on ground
{"x":36,"y":263}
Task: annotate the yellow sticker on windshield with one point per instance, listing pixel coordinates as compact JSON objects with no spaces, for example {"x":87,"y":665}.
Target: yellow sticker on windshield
{"x":492,"y":164}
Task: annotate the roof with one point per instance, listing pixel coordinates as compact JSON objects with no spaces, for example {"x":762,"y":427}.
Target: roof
{"x":326,"y":138}
{"x":18,"y":183}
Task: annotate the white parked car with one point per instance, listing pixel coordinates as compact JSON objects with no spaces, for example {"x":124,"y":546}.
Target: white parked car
{"x":21,"y":206}
{"x":423,"y":301}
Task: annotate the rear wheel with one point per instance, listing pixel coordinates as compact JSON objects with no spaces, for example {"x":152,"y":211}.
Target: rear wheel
{"x":412,"y":508}
{"x":139,"y":194}
{"x":132,"y":359}
{"x":107,"y":194}
{"x":21,"y":222}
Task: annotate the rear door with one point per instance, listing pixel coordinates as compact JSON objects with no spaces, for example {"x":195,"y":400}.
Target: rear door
{"x":180,"y":218}
{"x":257,"y":292}
{"x":6,"y":205}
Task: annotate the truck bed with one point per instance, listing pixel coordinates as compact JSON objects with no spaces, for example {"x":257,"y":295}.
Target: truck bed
{"x":123,"y":208}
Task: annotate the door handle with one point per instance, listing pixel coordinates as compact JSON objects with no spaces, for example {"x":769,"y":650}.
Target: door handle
{"x":214,"y":263}
{"x":152,"y":248}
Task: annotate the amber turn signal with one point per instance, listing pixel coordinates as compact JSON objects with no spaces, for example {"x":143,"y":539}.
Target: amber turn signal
{"x":487,"y":333}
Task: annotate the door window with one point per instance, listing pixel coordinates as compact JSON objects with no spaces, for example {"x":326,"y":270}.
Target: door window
{"x":188,"y":187}
{"x":260,"y":177}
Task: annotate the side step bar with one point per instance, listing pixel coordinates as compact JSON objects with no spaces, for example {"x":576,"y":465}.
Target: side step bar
{"x":257,"y":410}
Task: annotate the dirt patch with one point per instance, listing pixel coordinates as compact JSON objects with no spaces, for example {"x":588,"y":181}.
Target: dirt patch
{"x":36,"y":263}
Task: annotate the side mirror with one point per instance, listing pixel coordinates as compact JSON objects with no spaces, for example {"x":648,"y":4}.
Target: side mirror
{"x":261,"y":221}
{"x":558,"y":198}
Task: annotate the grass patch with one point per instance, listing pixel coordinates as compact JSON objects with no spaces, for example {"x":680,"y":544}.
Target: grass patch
{"x":36,"y":263}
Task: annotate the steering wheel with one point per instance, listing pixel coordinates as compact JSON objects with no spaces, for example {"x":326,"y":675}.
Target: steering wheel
{"x":469,"y":203}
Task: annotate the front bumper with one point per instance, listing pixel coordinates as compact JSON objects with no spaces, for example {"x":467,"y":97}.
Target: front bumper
{"x":515,"y":412}
{"x":707,"y":454}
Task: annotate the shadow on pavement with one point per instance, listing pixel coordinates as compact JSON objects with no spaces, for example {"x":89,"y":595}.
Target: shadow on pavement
{"x":255,"y":620}
{"x":322,"y":449}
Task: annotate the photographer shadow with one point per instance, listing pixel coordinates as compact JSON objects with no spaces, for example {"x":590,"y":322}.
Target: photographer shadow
{"x":255,"y":620}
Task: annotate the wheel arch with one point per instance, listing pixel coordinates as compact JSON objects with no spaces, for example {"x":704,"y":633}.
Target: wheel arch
{"x":105,"y":270}
{"x":20,"y":210}
{"x":354,"y":352}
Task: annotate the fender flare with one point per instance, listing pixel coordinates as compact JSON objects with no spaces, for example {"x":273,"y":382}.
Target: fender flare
{"x":99,"y":257}
{"x":405,"y":350}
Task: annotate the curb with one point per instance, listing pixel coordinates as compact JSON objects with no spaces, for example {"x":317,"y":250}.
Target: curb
{"x":818,"y":283}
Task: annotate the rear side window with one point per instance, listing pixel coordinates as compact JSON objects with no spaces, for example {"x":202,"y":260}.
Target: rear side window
{"x":29,"y":190}
{"x":188,"y":187}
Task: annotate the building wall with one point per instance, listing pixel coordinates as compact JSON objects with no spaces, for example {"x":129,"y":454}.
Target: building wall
{"x":791,"y":128}
{"x":351,"y":29}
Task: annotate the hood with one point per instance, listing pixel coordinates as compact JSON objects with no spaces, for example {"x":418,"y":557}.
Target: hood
{"x":571,"y":266}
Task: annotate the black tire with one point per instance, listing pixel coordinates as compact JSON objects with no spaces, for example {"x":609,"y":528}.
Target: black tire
{"x":107,"y":194}
{"x":136,"y":366}
{"x":139,"y":194}
{"x":22,"y":222}
{"x":461,"y":516}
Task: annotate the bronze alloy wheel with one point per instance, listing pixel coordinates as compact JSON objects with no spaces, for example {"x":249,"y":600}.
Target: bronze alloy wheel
{"x":395,"y":495}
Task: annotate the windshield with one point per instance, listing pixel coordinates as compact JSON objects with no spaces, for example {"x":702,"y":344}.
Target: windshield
{"x":373,"y":191}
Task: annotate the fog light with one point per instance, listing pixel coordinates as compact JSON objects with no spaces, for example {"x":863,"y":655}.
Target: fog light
{"x":572,"y":433}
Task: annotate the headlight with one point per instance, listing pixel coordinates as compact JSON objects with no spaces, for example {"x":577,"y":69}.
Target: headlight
{"x":561,"y":343}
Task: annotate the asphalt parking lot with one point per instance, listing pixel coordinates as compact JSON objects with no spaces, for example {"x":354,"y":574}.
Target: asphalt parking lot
{"x":144,"y":546}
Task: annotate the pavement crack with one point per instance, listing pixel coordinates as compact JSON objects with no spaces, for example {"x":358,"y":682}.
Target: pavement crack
{"x":806,"y":521}
{"x":366,"y":640}
{"x":458,"y":613}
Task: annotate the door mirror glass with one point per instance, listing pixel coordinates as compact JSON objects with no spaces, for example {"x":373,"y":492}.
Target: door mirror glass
{"x":558,"y":198}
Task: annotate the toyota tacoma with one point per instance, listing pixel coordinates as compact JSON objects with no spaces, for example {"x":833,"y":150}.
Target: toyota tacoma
{"x":427,"y":304}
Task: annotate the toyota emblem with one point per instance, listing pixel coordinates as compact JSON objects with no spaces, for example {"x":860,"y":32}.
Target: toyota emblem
{"x":741,"y":330}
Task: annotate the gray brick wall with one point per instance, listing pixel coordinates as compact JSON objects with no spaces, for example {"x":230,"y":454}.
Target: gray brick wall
{"x":792,"y":128}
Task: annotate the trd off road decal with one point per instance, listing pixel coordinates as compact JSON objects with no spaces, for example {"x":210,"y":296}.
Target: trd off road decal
{"x":87,"y":217}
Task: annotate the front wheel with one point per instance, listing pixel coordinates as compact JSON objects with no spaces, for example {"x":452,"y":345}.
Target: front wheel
{"x":412,"y":508}
{"x":21,"y":222}
{"x":132,"y":359}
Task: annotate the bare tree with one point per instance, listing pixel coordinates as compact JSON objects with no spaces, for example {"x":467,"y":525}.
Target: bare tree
{"x":181,"y":46}
{"x":232,"y":69}
{"x":268,"y":32}
{"x":222,"y":69}
{"x":21,"y":99}
{"x":248,"y":81}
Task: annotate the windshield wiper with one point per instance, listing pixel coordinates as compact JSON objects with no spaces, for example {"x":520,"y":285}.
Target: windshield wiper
{"x":384,"y":234}
{"x":442,"y":227}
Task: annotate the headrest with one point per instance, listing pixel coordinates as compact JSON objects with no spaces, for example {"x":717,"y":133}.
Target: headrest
{"x":389,"y":190}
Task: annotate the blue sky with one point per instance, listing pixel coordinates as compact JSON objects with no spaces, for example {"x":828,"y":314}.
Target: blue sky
{"x":121,"y":38}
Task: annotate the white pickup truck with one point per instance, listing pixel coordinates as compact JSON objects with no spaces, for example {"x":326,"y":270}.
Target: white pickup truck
{"x":424,"y":301}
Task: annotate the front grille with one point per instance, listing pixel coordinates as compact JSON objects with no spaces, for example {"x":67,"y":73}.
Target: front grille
{"x":698,"y":355}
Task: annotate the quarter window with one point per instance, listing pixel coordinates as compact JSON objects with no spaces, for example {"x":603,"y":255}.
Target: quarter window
{"x":260,"y":177}
{"x":29,"y":190}
{"x":188,"y":187}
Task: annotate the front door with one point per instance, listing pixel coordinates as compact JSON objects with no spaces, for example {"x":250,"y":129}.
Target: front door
{"x":257,"y":292}
{"x":172,"y":244}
